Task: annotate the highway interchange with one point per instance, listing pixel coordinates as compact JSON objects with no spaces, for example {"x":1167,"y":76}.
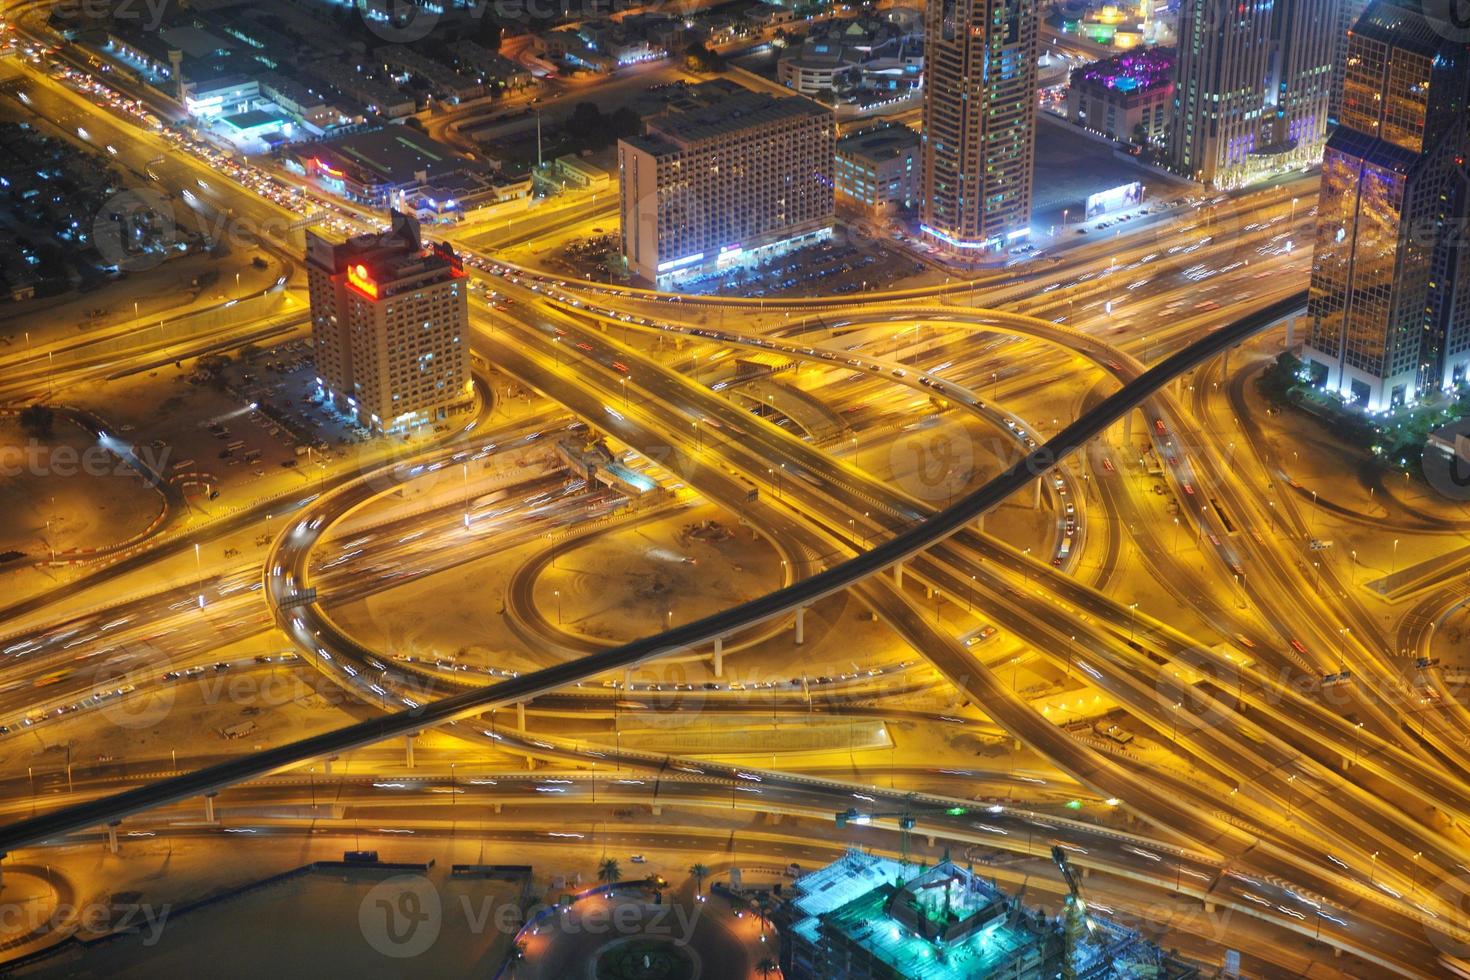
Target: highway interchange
{"x":1324,"y":819}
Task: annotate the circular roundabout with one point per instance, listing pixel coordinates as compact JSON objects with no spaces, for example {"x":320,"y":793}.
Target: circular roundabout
{"x":645,"y":958}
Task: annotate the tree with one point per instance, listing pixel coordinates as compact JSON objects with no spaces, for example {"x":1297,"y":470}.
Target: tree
{"x":1279,"y":380}
{"x":700,"y":872}
{"x":766,"y":966}
{"x":37,"y":421}
{"x":699,"y":57}
{"x":608,"y":871}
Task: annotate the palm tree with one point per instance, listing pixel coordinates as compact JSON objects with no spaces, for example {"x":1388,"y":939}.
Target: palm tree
{"x":700,"y":872}
{"x":766,"y":967}
{"x":608,"y":871}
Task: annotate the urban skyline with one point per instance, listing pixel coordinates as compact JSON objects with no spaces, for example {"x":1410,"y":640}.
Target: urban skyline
{"x":749,"y":491}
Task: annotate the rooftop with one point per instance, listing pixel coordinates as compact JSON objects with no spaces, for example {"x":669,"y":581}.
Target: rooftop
{"x":1134,"y":71}
{"x":879,"y":143}
{"x":393,"y":155}
{"x":945,"y":923}
{"x":719,"y":108}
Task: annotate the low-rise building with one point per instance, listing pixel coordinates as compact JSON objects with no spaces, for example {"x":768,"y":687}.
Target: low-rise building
{"x":493,"y":70}
{"x":878,"y":169}
{"x":1126,"y":97}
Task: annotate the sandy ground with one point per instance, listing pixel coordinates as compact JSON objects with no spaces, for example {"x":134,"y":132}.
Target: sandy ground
{"x":63,"y":493}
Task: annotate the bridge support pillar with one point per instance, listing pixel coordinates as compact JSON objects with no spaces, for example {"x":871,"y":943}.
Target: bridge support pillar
{"x":628,"y":679}
{"x":1290,"y":331}
{"x":408,"y":750}
{"x":521,"y":715}
{"x":719,"y":656}
{"x":931,"y":840}
{"x":980,"y":523}
{"x":898,"y":576}
{"x":1210,"y":907}
{"x":1036,"y":494}
{"x":497,"y":807}
{"x":530,"y":762}
{"x":800,"y":625}
{"x":656,"y":810}
{"x":209,"y":807}
{"x":112,"y":836}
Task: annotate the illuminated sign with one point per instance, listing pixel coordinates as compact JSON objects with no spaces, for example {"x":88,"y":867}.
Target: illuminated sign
{"x":680,"y":263}
{"x":357,"y":276}
{"x":1114,"y":199}
{"x":954,"y":242}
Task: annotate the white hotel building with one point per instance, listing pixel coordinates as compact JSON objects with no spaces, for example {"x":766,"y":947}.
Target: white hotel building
{"x":725,"y":176}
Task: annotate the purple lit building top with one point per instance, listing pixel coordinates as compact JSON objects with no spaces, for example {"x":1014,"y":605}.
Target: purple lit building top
{"x":1133,"y":71}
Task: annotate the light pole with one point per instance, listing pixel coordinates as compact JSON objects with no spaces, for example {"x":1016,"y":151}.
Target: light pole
{"x":199,"y":574}
{"x":557,"y":593}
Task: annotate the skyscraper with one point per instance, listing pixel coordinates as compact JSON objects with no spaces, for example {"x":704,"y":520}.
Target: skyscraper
{"x":1297,"y":98}
{"x":1390,"y":294}
{"x":388,"y":322}
{"x":1221,"y":73}
{"x":1348,"y":12}
{"x":979,"y":122}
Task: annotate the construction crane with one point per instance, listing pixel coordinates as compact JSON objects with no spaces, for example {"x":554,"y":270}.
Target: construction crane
{"x":905,"y":817}
{"x":1135,"y":958}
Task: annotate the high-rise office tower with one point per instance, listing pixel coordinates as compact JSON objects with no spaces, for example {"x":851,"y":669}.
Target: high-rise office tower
{"x":1390,"y":294}
{"x":979,"y":122}
{"x":1348,"y":12}
{"x":1221,"y":72}
{"x":1298,"y":93}
{"x":388,"y":323}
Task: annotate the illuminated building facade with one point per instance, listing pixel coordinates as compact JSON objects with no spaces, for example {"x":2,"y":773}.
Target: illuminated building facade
{"x":979,"y":138}
{"x":1348,"y":12}
{"x":878,"y":169}
{"x":1390,"y":293}
{"x":725,"y":177}
{"x":1220,"y":73}
{"x":388,"y":319}
{"x":1299,"y":90}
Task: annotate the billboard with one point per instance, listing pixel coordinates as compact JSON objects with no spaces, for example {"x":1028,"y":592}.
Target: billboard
{"x":1114,"y":199}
